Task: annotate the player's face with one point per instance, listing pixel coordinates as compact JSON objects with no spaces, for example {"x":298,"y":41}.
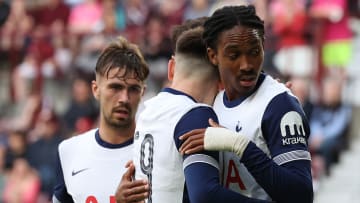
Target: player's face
{"x":119,"y":96}
{"x":239,"y":56}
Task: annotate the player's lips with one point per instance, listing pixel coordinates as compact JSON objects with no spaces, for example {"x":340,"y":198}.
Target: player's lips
{"x":122,"y":112}
{"x":247,"y":80}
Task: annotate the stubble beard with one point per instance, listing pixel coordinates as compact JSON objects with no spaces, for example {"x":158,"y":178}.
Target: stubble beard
{"x":116,"y":123}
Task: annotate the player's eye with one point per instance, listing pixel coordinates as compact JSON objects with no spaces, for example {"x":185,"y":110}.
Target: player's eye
{"x":254,"y":52}
{"x":135,"y":89}
{"x":233,"y":55}
{"x":117,"y":87}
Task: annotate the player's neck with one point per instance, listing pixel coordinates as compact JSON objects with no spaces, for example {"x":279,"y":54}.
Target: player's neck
{"x":115,"y":135}
{"x":195,"y":89}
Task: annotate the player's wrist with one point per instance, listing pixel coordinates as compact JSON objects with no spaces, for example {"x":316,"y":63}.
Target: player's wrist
{"x":222,"y":139}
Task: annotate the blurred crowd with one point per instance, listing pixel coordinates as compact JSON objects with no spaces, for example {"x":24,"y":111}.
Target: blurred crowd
{"x":48,"y":51}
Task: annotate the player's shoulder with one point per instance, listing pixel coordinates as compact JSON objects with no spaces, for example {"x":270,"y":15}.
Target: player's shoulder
{"x":271,"y":90}
{"x":273,"y":87}
{"x":77,"y":140}
{"x":201,"y":109}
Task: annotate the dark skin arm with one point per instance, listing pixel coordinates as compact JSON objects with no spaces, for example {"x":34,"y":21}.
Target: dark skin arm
{"x":194,"y":139}
{"x":130,"y":190}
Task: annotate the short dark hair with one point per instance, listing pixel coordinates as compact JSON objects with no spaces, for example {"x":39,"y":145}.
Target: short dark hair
{"x":226,"y":18}
{"x":190,"y":43}
{"x":177,"y":30}
{"x":122,"y":54}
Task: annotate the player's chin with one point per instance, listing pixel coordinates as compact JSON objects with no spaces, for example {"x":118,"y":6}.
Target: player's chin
{"x":122,"y":123}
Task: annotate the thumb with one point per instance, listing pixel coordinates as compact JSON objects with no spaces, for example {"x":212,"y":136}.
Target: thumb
{"x":129,"y":163}
{"x":213,"y":123}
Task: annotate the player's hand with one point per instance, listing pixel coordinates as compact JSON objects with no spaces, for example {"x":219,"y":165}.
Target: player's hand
{"x":288,"y":84}
{"x":130,"y":190}
{"x":194,"y":139}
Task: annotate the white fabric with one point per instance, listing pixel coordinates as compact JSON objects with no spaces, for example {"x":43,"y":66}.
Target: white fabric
{"x":235,"y":175}
{"x":90,"y":170}
{"x":155,"y":156}
{"x":202,"y":158}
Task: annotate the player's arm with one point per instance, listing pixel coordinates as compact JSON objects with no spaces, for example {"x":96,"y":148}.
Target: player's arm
{"x":273,"y":178}
{"x":286,"y":177}
{"x":130,"y":190}
{"x":60,"y":194}
{"x":201,"y":170}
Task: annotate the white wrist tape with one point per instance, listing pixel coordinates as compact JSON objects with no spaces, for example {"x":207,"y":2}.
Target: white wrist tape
{"x":222,"y":139}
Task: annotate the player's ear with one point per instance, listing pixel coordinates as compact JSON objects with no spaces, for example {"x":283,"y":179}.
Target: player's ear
{"x":95,"y":89}
{"x":171,"y":68}
{"x":212,"y":56}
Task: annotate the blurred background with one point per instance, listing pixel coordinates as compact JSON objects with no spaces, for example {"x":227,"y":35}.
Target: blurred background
{"x":48,"y":51}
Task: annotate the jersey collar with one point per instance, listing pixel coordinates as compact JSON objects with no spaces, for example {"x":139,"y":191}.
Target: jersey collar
{"x":236,"y":102}
{"x":177,"y":92}
{"x":108,"y":145}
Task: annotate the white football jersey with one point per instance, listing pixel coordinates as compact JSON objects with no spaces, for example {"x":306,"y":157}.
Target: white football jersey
{"x":93,"y":169}
{"x":246,"y":117}
{"x":156,"y":157}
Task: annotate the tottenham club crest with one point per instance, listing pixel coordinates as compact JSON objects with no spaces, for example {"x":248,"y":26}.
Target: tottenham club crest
{"x":292,"y":129}
{"x":238,"y":127}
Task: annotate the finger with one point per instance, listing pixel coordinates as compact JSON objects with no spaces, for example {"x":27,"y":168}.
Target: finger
{"x":137,"y":189}
{"x":188,"y":141}
{"x":134,"y":187}
{"x":129,"y":163}
{"x":137,"y":184}
{"x":195,"y":146}
{"x":194,"y":150}
{"x":191,"y":133}
{"x":129,"y":172}
{"x":138,"y":197}
{"x":213,"y":123}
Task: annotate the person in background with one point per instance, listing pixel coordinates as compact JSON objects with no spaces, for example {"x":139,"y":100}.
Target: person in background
{"x":22,"y":184}
{"x":82,"y":105}
{"x":330,"y":122}
{"x":42,"y":149}
{"x":336,"y":35}
{"x":266,"y":140}
{"x":91,"y":164}
{"x":177,"y":109}
{"x":290,"y":20}
{"x":301,"y":88}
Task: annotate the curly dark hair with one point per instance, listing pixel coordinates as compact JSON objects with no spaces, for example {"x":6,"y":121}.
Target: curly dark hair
{"x":226,"y":18}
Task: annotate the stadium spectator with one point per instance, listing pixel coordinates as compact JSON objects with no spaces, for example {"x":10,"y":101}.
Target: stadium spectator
{"x":82,"y":105}
{"x":44,"y":139}
{"x":330,"y":122}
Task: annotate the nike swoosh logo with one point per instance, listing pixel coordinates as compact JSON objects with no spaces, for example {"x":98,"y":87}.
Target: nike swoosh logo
{"x":73,"y":173}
